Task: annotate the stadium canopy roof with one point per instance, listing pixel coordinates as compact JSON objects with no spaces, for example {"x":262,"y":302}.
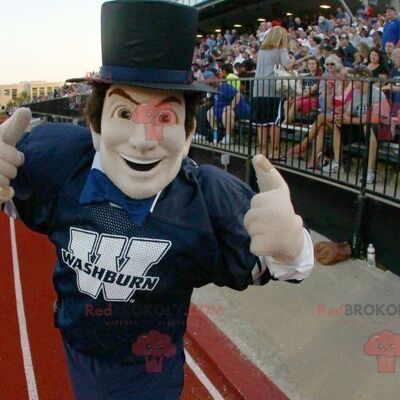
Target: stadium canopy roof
{"x":224,"y":14}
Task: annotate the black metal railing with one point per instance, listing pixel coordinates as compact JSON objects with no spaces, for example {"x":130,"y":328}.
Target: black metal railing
{"x":312,"y":135}
{"x":345,"y":130}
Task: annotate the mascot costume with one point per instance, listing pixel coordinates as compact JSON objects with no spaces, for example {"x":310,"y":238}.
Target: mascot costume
{"x":136,"y":224}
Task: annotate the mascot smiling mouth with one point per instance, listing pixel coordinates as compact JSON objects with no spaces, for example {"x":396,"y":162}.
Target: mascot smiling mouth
{"x":140,"y":165}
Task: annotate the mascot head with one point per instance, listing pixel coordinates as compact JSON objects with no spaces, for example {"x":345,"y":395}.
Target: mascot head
{"x":142,"y":108}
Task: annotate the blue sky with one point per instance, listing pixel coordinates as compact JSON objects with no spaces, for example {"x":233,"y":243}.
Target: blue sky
{"x":49,"y":40}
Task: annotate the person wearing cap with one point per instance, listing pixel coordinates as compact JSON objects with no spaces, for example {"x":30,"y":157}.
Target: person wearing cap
{"x":375,"y":26}
{"x":365,"y":37}
{"x":314,"y":41}
{"x":135,"y":223}
{"x":352,"y":123}
{"x":391,"y":29}
{"x":327,"y":50}
{"x":238,"y":69}
{"x":246,"y":85}
{"x":249,"y":68}
{"x":348,"y":49}
{"x":228,"y":103}
{"x":276,"y":22}
{"x":303,"y":55}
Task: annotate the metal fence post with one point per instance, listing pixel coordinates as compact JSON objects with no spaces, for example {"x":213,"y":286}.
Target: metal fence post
{"x":250,"y":174}
{"x":359,"y":219}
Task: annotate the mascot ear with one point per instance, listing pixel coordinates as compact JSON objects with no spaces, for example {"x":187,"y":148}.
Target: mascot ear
{"x":188,"y":142}
{"x":95,"y":138}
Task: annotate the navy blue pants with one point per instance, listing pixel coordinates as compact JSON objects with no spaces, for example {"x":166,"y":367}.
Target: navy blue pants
{"x":97,"y":379}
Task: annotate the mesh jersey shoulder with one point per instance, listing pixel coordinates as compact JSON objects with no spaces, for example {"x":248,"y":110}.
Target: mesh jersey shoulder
{"x":52,"y":153}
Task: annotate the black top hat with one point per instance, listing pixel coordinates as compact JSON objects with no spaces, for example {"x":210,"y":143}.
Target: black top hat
{"x":148,"y":43}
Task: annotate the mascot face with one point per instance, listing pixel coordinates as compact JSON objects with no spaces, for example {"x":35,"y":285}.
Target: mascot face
{"x":143,"y":139}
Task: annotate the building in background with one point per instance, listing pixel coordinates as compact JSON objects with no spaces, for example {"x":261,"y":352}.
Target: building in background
{"x":24,"y":92}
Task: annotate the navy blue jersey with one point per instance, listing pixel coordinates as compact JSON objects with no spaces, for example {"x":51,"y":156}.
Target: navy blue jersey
{"x":117,"y":281}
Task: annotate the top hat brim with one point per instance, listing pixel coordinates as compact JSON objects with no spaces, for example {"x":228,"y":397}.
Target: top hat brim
{"x":186,"y":87}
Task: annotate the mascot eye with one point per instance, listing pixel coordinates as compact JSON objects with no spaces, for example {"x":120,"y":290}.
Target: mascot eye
{"x":124,"y":113}
{"x":167,"y":118}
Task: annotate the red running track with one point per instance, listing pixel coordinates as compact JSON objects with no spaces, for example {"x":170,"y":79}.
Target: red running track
{"x":31,"y":356}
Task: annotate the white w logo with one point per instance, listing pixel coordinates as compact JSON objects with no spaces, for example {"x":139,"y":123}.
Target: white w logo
{"x":113,"y":264}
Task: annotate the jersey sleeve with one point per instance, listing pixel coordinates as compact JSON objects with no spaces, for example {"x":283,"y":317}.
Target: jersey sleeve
{"x":51,"y":151}
{"x":228,"y":199}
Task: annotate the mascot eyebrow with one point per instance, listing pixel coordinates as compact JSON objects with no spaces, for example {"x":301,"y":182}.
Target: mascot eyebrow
{"x":122,"y":93}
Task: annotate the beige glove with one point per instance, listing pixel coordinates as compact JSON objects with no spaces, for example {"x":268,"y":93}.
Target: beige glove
{"x":275,"y":230}
{"x":10,"y":158}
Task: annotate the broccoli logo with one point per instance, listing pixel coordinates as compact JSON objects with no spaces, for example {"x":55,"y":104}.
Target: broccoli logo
{"x":154,"y":346}
{"x":385,"y":346}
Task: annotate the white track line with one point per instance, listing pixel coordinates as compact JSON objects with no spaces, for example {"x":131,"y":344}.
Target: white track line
{"x":216,"y":395}
{"x":26,"y":351}
{"x":23,"y":332}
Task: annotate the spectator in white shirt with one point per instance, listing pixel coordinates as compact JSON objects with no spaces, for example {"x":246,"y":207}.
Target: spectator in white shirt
{"x":262,"y":31}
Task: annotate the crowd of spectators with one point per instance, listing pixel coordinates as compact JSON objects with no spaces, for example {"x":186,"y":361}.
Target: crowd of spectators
{"x":337,"y":47}
{"x":350,"y":39}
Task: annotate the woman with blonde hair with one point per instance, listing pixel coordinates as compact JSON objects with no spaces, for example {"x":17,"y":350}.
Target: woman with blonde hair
{"x":334,"y":94}
{"x":267,"y":101}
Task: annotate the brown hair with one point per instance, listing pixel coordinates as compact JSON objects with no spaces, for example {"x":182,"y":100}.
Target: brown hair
{"x":364,"y":49}
{"x":319,"y":71}
{"x":94,"y":107}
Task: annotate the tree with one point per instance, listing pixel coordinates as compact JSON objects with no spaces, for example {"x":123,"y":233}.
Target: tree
{"x":23,"y":98}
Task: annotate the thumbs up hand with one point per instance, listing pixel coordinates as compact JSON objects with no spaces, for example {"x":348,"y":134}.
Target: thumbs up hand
{"x":275,"y":230}
{"x":10,"y":158}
